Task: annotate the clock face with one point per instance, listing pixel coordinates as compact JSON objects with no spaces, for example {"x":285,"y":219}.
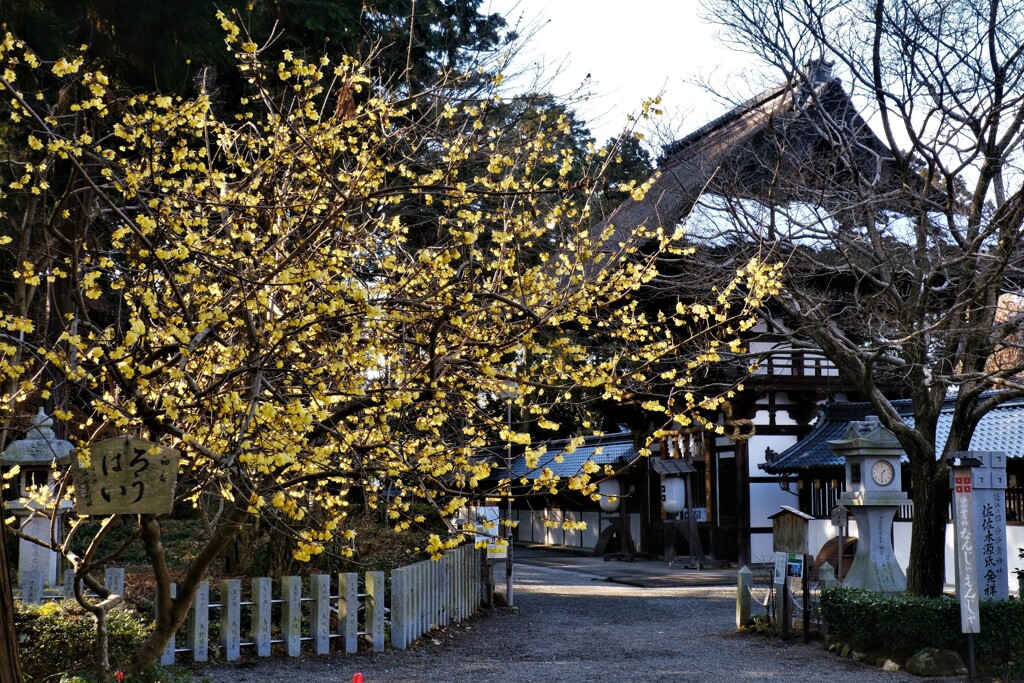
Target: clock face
{"x":882,"y":472}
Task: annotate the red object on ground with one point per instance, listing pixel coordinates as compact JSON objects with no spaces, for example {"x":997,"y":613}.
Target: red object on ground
{"x":358,"y":678}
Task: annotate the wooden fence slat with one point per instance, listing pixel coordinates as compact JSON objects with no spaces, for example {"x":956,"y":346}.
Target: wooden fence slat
{"x":231,"y":618}
{"x":198,"y":633}
{"x":291,"y":614}
{"x":421,"y":599}
{"x":348,"y":610}
{"x":262,"y":595}
{"x":444,"y":592}
{"x":320,"y":613}
{"x":374,"y":609}
{"x":399,"y":608}
{"x":424,"y":596}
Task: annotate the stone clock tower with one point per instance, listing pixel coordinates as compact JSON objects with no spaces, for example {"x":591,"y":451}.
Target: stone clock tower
{"x":873,"y":494}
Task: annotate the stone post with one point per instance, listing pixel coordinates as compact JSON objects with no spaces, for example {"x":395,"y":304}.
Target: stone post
{"x":827,"y":577}
{"x":743,"y":579}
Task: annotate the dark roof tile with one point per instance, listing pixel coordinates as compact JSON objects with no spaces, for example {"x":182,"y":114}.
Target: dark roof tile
{"x":1002,"y":429}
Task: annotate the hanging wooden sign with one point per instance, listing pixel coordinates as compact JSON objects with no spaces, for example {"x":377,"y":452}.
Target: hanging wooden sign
{"x":126,"y":475}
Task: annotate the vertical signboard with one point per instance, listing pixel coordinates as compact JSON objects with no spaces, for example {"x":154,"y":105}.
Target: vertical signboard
{"x":963,"y":527}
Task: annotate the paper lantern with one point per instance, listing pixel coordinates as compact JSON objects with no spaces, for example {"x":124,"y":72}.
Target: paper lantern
{"x":673,"y":494}
{"x":610,"y":490}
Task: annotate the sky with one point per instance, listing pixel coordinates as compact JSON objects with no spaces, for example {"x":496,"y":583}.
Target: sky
{"x":631,"y":51}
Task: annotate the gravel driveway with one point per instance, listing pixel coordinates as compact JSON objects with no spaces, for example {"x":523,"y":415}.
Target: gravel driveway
{"x":573,"y":626}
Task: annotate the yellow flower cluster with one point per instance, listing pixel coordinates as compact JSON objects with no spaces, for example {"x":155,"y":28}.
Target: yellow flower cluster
{"x":329,"y":293}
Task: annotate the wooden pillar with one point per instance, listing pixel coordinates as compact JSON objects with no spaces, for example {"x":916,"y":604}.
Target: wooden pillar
{"x":10,"y":666}
{"x":743,"y":502}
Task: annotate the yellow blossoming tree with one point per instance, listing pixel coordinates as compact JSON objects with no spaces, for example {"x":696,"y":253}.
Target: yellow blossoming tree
{"x":254,"y":290}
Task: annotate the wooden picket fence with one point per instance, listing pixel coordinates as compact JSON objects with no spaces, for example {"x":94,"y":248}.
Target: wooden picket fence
{"x":425,"y":595}
{"x":324,"y":609}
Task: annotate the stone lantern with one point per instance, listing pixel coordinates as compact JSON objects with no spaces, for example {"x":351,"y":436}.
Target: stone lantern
{"x":38,"y":456}
{"x":874,"y":494}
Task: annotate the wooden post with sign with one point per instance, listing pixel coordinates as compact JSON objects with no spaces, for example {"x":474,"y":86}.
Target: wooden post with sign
{"x":963,"y":531}
{"x":125,"y":474}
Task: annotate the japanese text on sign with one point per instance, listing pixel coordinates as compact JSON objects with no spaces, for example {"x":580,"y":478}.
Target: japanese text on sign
{"x":126,"y":475}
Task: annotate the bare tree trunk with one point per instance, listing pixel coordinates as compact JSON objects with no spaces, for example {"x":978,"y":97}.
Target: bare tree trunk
{"x":10,"y":666}
{"x":171,"y":612}
{"x":926,"y":573}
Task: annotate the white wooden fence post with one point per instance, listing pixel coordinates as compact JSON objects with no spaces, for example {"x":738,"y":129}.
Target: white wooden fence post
{"x":198,"y":633}
{"x":348,"y":610}
{"x":443,"y":591}
{"x":375,"y":609}
{"x":291,"y":614}
{"x":453,"y":584}
{"x":231,"y":618}
{"x":421,"y":590}
{"x":167,"y":658}
{"x":399,"y":608}
{"x":262,"y":595}
{"x":320,"y":613}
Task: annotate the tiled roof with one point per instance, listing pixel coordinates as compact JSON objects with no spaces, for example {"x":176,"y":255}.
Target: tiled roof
{"x":610,"y":449}
{"x":1002,"y":429}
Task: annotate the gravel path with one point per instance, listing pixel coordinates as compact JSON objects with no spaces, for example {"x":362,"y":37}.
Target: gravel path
{"x":573,"y":627}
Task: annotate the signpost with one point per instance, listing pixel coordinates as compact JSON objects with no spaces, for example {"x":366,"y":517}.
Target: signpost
{"x":125,"y":475}
{"x":966,"y":571}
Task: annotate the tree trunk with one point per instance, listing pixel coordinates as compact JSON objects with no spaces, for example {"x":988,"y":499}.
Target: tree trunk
{"x":10,"y":667}
{"x":926,"y":573}
{"x":172,"y":612}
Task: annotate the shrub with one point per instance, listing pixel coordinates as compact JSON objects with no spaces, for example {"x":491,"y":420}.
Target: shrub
{"x":905,"y":624}
{"x":59,"y":638}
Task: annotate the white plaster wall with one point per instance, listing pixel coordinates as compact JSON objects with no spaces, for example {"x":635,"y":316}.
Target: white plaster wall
{"x":765,"y":499}
{"x":759,"y":443}
{"x":537,"y":525}
{"x":761,"y":548}
{"x":573,"y":537}
{"x":901,"y":543}
{"x":593,"y":530}
{"x":1014,"y":543}
{"x":553,"y":534}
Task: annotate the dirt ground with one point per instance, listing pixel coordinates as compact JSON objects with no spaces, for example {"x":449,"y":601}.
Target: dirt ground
{"x":573,"y":625}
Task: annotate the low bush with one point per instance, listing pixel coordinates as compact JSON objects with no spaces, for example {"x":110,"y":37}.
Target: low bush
{"x":905,"y":624}
{"x":58,"y":639}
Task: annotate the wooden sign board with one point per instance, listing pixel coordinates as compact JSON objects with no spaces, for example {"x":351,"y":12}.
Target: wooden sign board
{"x":126,"y":475}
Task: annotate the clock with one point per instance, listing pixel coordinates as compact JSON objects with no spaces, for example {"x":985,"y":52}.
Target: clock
{"x":882,"y":472}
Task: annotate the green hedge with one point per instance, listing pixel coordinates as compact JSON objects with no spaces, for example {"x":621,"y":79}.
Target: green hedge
{"x":904,"y":624}
{"x":59,"y":638}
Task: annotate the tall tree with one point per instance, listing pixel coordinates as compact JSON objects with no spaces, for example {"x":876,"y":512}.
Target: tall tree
{"x":164,"y":46}
{"x":247,"y":289}
{"x":10,"y":667}
{"x":902,"y":224}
